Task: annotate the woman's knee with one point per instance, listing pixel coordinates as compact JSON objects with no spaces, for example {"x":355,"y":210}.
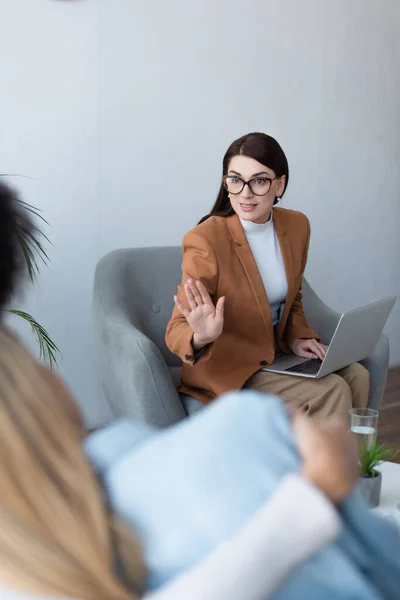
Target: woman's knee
{"x":359,"y":373}
{"x":331,"y":397}
{"x":341,"y":391}
{"x":358,"y":379}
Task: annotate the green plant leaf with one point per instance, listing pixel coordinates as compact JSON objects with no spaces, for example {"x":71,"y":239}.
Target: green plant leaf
{"x":371,"y":457}
{"x":33,"y":249}
{"x":47,"y":348}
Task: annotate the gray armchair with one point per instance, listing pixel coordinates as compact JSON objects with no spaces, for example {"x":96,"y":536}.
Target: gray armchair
{"x":132,"y":303}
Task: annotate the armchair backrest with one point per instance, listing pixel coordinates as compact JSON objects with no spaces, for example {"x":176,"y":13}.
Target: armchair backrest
{"x":139,"y":284}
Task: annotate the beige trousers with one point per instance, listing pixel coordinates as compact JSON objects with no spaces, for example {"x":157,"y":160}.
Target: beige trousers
{"x":334,"y":394}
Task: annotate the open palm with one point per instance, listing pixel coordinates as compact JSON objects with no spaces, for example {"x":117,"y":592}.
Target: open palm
{"x":205,"y":319}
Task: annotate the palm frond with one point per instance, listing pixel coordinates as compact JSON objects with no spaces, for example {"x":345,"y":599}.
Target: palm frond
{"x":34,"y":210}
{"x":32,"y":248}
{"x":47,"y":348}
{"x":15,"y":175}
{"x":29,"y":238}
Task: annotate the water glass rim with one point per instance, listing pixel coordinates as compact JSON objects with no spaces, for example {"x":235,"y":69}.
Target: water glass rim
{"x":363,"y":412}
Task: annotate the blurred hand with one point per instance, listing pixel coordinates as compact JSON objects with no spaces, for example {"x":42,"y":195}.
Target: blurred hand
{"x":308,"y":349}
{"x":205,"y":319}
{"x":330,"y":457}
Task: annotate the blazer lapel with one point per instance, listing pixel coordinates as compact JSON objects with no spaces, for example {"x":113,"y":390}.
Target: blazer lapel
{"x":246,"y":257}
{"x":286,"y":250}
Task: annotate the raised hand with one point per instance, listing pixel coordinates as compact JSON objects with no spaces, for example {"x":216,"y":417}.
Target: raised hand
{"x":205,"y":319}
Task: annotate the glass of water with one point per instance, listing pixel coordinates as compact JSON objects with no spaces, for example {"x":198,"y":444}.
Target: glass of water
{"x":363,"y":422}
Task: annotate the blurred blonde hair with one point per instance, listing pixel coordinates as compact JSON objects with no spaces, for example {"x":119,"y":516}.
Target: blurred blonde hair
{"x":56,"y":536}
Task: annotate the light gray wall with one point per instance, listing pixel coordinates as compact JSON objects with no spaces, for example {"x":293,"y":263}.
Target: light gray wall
{"x":120,"y":113}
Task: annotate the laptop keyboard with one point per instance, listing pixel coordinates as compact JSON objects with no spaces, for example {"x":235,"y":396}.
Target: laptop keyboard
{"x":311,"y":367}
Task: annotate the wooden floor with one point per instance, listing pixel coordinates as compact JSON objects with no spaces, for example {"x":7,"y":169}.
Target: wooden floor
{"x":389,"y":414}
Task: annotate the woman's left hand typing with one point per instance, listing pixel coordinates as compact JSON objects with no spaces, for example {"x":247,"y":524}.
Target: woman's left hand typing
{"x":309,"y":349}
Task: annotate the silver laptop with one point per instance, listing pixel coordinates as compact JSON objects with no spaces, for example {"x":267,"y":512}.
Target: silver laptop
{"x":355,"y":338}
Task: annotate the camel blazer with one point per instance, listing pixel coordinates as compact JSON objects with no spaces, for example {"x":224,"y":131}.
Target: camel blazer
{"x":217,"y":252}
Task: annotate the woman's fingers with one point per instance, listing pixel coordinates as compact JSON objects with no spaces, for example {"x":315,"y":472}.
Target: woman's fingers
{"x":309,"y":349}
{"x":219,"y":309}
{"x":195,"y":292}
{"x":198,"y":297}
{"x":205,"y":296}
{"x":315,"y":347}
{"x":189,"y":295}
{"x":324,"y":349}
{"x":321,"y":347}
{"x":307,"y":354}
{"x":180,"y":306}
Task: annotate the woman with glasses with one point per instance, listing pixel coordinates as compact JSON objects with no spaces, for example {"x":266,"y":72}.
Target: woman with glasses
{"x":239,"y":304}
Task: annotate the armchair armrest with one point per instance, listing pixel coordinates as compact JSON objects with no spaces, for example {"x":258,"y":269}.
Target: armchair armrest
{"x":377,"y":364}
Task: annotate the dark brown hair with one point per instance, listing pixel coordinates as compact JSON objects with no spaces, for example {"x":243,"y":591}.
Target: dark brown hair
{"x":14,"y":222}
{"x":264,"y":149}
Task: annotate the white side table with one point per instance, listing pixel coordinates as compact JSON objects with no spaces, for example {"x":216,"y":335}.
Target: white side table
{"x":390,"y":493}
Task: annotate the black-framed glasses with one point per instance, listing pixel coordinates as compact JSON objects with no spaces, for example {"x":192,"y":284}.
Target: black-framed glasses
{"x":258,"y":186}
